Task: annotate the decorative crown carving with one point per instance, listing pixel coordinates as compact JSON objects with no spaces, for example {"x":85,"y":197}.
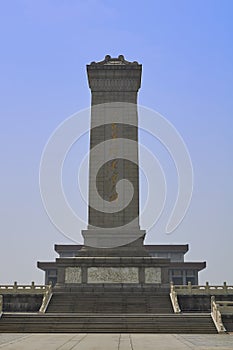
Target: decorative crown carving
{"x":108,"y":60}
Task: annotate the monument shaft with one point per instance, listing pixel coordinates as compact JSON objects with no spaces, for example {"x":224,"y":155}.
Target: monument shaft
{"x":114,"y":85}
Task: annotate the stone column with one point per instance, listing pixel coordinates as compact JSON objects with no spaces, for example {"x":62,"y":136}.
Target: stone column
{"x":113,"y":214}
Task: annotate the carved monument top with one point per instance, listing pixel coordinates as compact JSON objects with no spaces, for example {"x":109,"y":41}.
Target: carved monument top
{"x":108,"y":60}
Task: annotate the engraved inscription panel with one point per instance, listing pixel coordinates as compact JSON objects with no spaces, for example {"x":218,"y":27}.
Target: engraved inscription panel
{"x":73,"y":275}
{"x":113,"y":275}
{"x":152,"y":275}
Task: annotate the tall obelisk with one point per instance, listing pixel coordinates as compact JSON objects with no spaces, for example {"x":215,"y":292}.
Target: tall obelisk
{"x":113,"y":165}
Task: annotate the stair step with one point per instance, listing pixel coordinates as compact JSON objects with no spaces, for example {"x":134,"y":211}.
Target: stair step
{"x":142,"y":323}
{"x":111,"y":302}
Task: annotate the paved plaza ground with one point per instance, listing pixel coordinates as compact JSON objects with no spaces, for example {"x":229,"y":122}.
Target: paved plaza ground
{"x":115,"y":342}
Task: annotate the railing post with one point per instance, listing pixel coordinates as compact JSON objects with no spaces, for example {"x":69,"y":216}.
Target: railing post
{"x":15,"y":286}
{"x":212,"y":303}
{"x":225,"y":287}
{"x":33,"y":285}
{"x":207,"y":287}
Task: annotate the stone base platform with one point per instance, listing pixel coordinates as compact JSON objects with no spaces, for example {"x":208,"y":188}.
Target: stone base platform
{"x":114,"y":239}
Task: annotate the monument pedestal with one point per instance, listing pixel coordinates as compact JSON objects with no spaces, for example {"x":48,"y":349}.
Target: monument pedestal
{"x":112,"y":270}
{"x":126,"y":265}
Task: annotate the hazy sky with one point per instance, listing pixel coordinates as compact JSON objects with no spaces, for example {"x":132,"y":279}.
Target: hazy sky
{"x":187,"y":53}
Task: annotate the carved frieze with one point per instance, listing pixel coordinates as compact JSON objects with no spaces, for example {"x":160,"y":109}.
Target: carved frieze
{"x":113,"y":275}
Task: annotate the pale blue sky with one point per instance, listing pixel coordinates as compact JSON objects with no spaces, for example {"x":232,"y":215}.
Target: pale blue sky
{"x":187,"y":53}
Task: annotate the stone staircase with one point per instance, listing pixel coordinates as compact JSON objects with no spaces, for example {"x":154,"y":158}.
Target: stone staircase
{"x":106,"y":323}
{"x":111,"y":302}
{"x":113,"y":309}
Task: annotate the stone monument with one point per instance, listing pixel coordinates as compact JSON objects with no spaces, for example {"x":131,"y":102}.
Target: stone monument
{"x":113,"y":252}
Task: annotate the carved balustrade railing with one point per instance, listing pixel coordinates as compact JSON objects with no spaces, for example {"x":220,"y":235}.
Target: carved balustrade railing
{"x":225,"y":307}
{"x":23,"y":289}
{"x":45,"y":290}
{"x":217,"y":316}
{"x":46,"y":299}
{"x":174,"y":299}
{"x":203,"y":289}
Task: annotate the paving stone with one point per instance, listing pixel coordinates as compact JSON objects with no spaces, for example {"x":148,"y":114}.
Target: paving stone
{"x":115,"y":342}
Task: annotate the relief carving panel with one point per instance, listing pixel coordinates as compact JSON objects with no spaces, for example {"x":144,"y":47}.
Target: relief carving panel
{"x":73,"y":275}
{"x":152,"y":275}
{"x":113,"y":275}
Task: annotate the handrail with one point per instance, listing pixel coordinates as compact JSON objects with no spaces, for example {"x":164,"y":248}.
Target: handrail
{"x":23,"y":289}
{"x":216,"y":316}
{"x":46,"y":299}
{"x":203,"y":289}
{"x":225,"y":307}
{"x":174,"y":300}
